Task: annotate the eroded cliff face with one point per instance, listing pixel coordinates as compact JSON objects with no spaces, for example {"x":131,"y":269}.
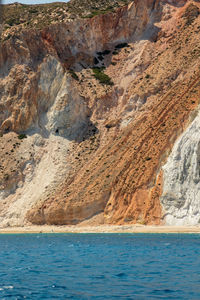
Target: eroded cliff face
{"x":72,"y":44}
{"x":180,"y":196}
{"x":97,"y":152}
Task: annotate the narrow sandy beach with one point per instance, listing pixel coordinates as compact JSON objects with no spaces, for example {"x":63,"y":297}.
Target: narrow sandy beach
{"x":102,"y":229}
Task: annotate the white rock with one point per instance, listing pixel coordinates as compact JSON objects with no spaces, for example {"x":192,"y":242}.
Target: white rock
{"x":181,"y":188}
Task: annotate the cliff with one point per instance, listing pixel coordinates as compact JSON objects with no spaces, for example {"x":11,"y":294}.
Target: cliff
{"x":99,"y":113}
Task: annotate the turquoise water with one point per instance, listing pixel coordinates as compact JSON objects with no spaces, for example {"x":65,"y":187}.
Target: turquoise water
{"x":100,"y":266}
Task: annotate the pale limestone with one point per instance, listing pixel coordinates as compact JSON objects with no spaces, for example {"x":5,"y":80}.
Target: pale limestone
{"x":40,"y":178}
{"x":181,"y":188}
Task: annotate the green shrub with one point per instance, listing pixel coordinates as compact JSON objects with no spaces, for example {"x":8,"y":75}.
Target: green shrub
{"x":13,"y":21}
{"x":33,"y":11}
{"x":73,"y":74}
{"x":101,"y":76}
{"x":94,"y":13}
{"x":22,"y":136}
{"x":100,"y":12}
{"x":148,"y":158}
{"x":7,"y":37}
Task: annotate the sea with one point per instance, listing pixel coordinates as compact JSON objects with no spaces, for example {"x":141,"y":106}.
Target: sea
{"x":99,"y":266}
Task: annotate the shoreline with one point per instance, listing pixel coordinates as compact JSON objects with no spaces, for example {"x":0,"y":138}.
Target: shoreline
{"x":100,"y":229}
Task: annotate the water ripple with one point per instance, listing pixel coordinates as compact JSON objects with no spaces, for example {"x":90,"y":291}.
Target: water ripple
{"x":100,"y":266}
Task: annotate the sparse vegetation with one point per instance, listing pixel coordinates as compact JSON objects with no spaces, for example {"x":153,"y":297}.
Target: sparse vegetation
{"x":22,"y":136}
{"x":33,"y":10}
{"x":7,"y":37}
{"x":6,"y":177}
{"x":13,"y":21}
{"x":100,"y":12}
{"x":42,"y":15}
{"x":101,"y":76}
{"x":74,"y":75}
{"x":191,"y":14}
{"x":148,"y":158}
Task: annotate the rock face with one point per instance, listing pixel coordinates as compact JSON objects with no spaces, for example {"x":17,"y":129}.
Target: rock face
{"x":181,"y":189}
{"x":90,"y":109}
{"x":66,"y":112}
{"x":72,"y":44}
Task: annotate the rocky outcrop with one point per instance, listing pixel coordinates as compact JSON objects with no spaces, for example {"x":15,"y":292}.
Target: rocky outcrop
{"x":73,"y":44}
{"x":62,"y":111}
{"x":96,"y":149}
{"x":181,"y":190}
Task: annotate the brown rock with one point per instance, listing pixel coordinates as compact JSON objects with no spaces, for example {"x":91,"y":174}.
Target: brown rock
{"x":121,"y":135}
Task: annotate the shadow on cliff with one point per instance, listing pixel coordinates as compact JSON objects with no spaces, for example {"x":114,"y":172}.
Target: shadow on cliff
{"x":151,"y":33}
{"x":99,"y":59}
{"x":84,"y":130}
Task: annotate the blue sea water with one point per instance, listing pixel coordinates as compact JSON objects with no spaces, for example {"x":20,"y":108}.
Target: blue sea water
{"x":100,"y":266}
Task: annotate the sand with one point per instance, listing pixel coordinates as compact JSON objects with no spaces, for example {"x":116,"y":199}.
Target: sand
{"x":102,"y":229}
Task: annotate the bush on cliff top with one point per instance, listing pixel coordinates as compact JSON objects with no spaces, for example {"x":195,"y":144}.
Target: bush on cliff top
{"x":42,"y":15}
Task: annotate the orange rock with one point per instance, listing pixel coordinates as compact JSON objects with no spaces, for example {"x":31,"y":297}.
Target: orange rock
{"x":125,"y":132}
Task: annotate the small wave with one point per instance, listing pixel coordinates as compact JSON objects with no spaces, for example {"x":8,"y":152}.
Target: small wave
{"x":55,"y":286}
{"x":99,"y":277}
{"x":164,"y":290}
{"x":34,"y":271}
{"x":121,"y":274}
{"x":86,"y":266}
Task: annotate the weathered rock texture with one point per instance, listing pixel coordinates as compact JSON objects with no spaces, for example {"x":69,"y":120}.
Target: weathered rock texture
{"x":181,"y":189}
{"x":100,"y":153}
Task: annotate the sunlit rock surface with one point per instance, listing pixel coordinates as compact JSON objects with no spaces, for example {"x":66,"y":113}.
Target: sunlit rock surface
{"x":80,"y":144}
{"x":181,"y":187}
